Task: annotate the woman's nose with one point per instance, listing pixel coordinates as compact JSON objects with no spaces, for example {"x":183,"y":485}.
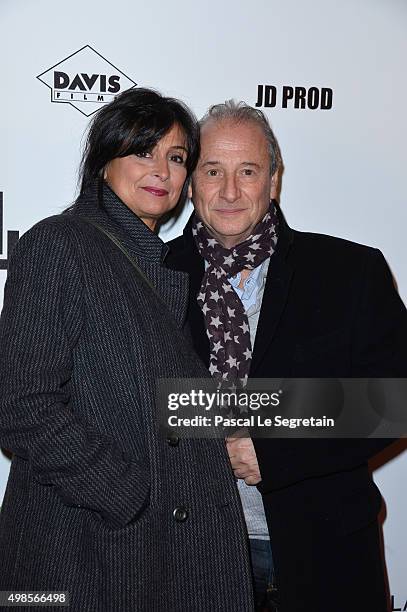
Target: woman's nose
{"x":161,"y":169}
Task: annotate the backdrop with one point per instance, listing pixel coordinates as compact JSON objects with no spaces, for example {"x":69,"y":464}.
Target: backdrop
{"x":330,"y":75}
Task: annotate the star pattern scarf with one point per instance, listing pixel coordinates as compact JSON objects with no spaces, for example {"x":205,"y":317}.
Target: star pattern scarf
{"x":227,"y":325}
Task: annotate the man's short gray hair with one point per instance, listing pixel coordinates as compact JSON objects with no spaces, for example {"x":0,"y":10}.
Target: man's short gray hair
{"x":240,"y":111}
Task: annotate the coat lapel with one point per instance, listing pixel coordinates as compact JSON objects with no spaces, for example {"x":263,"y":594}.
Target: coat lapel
{"x":274,"y":300}
{"x":187,"y":259}
{"x":279,"y":277}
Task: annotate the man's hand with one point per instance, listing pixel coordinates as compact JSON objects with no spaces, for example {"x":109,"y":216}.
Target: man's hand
{"x":243,"y":459}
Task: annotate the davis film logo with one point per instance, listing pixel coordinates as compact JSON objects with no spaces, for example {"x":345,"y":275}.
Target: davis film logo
{"x":85,"y":80}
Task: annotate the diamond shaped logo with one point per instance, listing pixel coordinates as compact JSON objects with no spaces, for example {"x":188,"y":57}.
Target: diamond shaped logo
{"x":85,"y":80}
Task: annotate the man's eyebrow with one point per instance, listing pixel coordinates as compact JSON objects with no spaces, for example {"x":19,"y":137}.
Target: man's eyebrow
{"x":210,"y":163}
{"x":215,"y":163}
{"x":247,"y":163}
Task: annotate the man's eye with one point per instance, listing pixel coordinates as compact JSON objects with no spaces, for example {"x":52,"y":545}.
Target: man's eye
{"x":212,"y":173}
{"x":248,"y":172}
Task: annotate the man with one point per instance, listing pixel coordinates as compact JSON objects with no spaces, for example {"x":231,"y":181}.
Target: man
{"x":307,"y":305}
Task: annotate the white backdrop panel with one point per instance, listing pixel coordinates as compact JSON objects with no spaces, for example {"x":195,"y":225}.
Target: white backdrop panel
{"x":344,"y":167}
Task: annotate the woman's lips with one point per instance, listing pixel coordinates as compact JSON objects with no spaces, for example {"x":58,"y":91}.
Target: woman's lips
{"x":155,"y":191}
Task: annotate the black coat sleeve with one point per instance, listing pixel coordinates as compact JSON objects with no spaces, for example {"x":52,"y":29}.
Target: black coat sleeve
{"x":379,"y":349}
{"x":40,"y":325}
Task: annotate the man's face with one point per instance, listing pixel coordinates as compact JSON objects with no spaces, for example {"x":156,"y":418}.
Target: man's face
{"x":231,"y":186}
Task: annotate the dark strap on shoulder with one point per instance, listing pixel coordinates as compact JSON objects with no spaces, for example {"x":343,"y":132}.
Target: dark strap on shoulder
{"x":133,"y":262}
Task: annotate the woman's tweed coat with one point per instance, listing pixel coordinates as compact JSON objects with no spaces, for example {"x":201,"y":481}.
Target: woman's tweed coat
{"x":93,"y":487}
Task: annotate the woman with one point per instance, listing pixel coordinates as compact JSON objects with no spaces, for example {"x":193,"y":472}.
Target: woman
{"x":98,"y":503}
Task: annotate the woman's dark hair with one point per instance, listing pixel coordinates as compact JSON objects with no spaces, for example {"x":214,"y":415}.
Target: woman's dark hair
{"x":134,"y":123}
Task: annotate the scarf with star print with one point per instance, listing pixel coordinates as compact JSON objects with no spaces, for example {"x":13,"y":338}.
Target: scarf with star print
{"x":227,"y":325}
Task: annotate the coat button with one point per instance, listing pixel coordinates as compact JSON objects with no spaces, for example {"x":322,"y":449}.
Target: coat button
{"x":173,"y":440}
{"x":180,"y":514}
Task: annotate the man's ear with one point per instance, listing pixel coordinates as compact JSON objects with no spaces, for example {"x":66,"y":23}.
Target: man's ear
{"x":190,"y":190}
{"x":274,"y":186}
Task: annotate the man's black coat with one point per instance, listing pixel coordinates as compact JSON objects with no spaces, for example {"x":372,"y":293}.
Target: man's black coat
{"x":330,"y":309}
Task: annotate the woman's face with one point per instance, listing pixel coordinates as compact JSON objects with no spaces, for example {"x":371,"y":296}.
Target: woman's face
{"x":150,"y":183}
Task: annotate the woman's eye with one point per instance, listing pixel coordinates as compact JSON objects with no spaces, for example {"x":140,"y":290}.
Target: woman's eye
{"x":143,"y":154}
{"x":177,"y":158}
